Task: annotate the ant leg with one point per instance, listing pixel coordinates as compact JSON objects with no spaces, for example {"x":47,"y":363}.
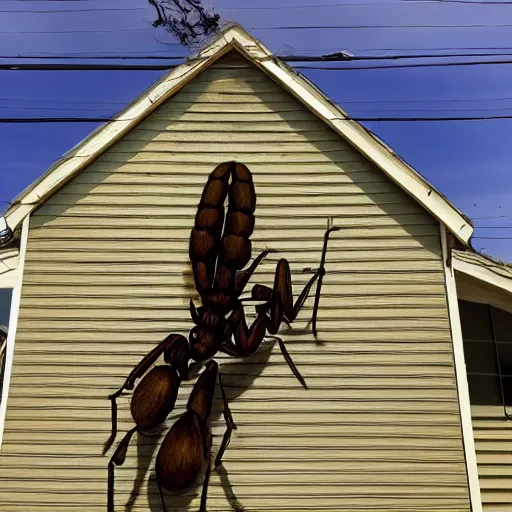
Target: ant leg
{"x":160,"y":490}
{"x":330,"y":229}
{"x":281,"y":305}
{"x":172,"y":345}
{"x":230,"y":425}
{"x":206,"y":482}
{"x":247,"y":339}
{"x":242,"y":277}
{"x":290,"y":362}
{"x":117,"y":460}
{"x":304,"y":295}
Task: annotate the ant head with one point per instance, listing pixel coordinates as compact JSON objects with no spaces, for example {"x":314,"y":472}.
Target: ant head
{"x":203,"y":343}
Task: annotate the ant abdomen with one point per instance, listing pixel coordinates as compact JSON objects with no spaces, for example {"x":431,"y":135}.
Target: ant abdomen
{"x":182,"y":453}
{"x":154,"y":397}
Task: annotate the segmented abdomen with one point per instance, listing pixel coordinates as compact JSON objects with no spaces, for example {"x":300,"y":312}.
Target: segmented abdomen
{"x":236,"y":246}
{"x":205,"y":237}
{"x":232,"y":252}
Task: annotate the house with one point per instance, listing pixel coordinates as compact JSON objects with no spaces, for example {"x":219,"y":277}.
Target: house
{"x":392,"y":421}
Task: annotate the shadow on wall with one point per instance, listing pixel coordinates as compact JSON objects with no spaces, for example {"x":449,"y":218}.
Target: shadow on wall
{"x":236,"y":378}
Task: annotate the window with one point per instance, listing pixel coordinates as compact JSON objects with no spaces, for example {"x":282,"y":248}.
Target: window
{"x":5,"y":310}
{"x":487,"y":334}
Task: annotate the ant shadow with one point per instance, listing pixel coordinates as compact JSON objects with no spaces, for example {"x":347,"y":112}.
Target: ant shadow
{"x":236,"y":378}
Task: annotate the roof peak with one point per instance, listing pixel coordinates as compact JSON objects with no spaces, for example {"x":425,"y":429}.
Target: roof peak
{"x":234,"y":37}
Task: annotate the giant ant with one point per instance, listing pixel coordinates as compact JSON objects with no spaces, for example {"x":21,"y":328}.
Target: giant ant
{"x":219,"y":250}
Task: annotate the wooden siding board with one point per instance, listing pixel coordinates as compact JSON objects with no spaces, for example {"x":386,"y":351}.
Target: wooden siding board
{"x":107,"y":277}
{"x":493,"y":443}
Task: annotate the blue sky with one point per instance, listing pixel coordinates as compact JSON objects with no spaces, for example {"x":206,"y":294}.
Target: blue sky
{"x":469,"y":161}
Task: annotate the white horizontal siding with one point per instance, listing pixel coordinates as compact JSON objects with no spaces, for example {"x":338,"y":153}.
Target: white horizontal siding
{"x":107,"y":277}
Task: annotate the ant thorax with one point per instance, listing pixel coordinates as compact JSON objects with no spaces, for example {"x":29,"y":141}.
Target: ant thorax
{"x":212,"y":319}
{"x":220,"y":302}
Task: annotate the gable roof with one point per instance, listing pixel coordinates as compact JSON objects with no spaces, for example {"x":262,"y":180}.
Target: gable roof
{"x":235,"y":38}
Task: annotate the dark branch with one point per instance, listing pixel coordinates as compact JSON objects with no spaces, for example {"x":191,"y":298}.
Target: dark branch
{"x":188,"y":19}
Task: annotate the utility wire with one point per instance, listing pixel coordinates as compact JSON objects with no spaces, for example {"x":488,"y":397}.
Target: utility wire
{"x":85,"y":67}
{"x":98,"y":31}
{"x":154,"y":67}
{"x":348,"y":118}
{"x":95,"y":110}
{"x":453,"y":48}
{"x":330,"y":57}
{"x":292,"y":27}
{"x":103,"y":104}
{"x":269,"y":8}
{"x":341,"y":57}
{"x":154,"y":57}
{"x":74,"y":11}
{"x":487,"y":2}
{"x":418,"y":119}
{"x":399,"y":66}
{"x":373,"y":27}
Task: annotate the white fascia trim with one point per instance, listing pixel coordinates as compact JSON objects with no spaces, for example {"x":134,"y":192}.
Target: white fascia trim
{"x":482,"y":274}
{"x":382,"y":156}
{"x":462,"y":379}
{"x":13,"y":323}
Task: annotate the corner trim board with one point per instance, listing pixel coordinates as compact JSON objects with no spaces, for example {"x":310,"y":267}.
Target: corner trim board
{"x":462,"y":379}
{"x":13,"y":324}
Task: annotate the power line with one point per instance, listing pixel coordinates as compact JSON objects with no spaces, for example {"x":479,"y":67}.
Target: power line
{"x":268,"y":8}
{"x":55,"y":119}
{"x":56,"y":108}
{"x":331,"y":57}
{"x":453,"y":48}
{"x":348,"y":118}
{"x":317,"y":27}
{"x":399,"y":66}
{"x":418,"y":119}
{"x":347,"y":27}
{"x":148,"y":57}
{"x":92,"y":102}
{"x":341,"y":57}
{"x":339,"y":101}
{"x":155,"y":67}
{"x":106,"y":108}
{"x":488,"y":2}
{"x":74,"y":11}
{"x":85,"y":67}
{"x":98,"y":31}
{"x":497,"y":3}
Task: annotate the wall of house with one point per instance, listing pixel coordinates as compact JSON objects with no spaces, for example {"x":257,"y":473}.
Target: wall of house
{"x":107,"y":277}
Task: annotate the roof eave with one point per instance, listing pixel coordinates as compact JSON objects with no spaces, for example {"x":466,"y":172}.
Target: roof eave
{"x":482,"y":270}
